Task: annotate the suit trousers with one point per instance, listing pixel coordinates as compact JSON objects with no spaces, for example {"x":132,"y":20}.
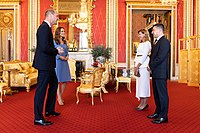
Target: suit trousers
{"x":45,"y":79}
{"x":161,"y":97}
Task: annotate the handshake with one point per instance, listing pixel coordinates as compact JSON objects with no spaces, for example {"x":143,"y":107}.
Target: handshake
{"x":60,"y":50}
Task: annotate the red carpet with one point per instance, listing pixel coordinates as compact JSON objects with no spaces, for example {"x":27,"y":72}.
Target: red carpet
{"x":115,"y":114}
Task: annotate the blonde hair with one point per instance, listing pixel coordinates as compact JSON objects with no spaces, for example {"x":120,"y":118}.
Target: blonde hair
{"x":146,"y":35}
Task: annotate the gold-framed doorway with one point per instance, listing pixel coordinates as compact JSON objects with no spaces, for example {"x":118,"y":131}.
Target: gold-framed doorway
{"x":10,"y":30}
{"x":132,"y":6}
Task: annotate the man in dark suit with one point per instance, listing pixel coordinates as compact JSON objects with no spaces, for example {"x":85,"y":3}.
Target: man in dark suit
{"x":159,"y":68}
{"x":44,"y":61}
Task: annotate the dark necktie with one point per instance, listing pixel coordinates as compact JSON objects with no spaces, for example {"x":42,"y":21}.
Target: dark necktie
{"x":155,"y":41}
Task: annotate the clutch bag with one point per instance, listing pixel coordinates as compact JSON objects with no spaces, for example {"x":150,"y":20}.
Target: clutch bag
{"x":137,"y":74}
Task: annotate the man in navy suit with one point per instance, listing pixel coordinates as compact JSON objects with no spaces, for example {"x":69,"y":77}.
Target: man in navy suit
{"x":159,"y":68}
{"x":44,"y":61}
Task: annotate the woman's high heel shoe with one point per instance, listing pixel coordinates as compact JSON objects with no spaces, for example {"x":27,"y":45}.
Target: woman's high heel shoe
{"x":140,"y":109}
{"x":60,"y":102}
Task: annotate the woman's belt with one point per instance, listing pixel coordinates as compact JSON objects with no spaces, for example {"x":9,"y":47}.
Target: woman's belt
{"x":141,"y":55}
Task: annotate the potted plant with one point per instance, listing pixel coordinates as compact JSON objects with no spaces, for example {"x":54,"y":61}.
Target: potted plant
{"x":100,"y":53}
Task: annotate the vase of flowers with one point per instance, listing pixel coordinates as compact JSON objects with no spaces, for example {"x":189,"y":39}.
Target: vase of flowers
{"x":101,"y":54}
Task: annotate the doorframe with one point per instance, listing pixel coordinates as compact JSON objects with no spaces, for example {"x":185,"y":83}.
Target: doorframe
{"x":15,"y":6}
{"x":130,"y":6}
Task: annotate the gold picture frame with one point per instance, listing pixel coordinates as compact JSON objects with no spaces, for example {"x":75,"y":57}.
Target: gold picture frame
{"x":134,"y":48}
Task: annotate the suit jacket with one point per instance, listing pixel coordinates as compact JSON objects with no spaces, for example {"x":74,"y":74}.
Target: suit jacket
{"x":160,"y":59}
{"x":45,"y":51}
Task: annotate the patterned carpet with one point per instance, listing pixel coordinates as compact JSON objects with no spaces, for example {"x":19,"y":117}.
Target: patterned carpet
{"x":115,"y":114}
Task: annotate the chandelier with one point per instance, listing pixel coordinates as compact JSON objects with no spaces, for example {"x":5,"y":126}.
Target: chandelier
{"x":168,"y":2}
{"x":80,"y":19}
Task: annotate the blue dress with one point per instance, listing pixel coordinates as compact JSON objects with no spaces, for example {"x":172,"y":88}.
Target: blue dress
{"x":62,"y":67}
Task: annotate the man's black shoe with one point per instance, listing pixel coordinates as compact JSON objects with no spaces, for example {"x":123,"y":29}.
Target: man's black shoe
{"x":154,"y":116}
{"x":42,"y":122}
{"x":52,"y":113}
{"x":160,"y":120}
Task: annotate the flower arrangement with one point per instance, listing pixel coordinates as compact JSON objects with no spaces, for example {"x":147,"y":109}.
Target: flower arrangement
{"x":96,"y":64}
{"x":101,"y":51}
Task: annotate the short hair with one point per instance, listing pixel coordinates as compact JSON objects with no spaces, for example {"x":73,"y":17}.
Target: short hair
{"x":146,"y":35}
{"x":49,"y":11}
{"x":161,"y":26}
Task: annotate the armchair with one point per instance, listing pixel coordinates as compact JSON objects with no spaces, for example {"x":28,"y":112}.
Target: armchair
{"x":91,"y":83}
{"x":120,"y":78}
{"x":3,"y":87}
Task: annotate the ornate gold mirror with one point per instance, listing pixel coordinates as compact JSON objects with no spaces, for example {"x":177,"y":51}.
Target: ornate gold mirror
{"x":75,"y":16}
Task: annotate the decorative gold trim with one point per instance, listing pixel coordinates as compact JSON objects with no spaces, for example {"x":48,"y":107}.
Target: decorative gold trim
{"x":198,"y":20}
{"x":2,"y":2}
{"x":63,"y":20}
{"x":112,"y":27}
{"x":6,"y":1}
{"x":33,"y":23}
{"x":188,"y":18}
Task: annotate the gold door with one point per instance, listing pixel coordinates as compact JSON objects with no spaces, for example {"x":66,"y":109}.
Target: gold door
{"x":183,"y":66}
{"x":6,"y":35}
{"x":193,"y":68}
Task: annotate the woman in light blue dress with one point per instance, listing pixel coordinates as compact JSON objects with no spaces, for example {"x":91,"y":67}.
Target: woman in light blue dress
{"x":62,"y":66}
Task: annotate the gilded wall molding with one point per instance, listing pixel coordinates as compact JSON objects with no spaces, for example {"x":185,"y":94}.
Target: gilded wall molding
{"x":6,"y":19}
{"x":188,"y":18}
{"x":112,"y":27}
{"x":33,"y":23}
{"x":198,"y":20}
{"x":10,"y":2}
{"x":68,"y":7}
{"x":6,"y":1}
{"x":89,"y":30}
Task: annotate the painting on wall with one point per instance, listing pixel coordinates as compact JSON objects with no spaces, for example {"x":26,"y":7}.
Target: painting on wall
{"x":134,"y":48}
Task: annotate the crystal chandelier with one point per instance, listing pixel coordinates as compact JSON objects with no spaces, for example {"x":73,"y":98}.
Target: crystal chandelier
{"x":169,"y":2}
{"x":80,"y":19}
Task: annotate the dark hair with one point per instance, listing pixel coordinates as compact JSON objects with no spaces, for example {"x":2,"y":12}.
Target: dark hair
{"x":146,"y":35}
{"x":49,"y":11}
{"x":161,"y":26}
{"x":57,"y":36}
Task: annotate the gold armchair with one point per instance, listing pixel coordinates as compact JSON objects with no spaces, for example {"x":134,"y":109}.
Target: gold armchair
{"x":91,"y":83}
{"x":3,"y":87}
